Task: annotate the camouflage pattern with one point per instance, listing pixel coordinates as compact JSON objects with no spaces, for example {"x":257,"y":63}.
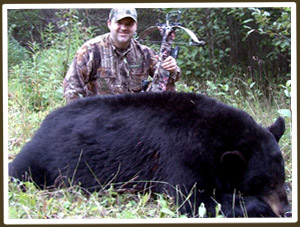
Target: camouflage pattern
{"x":100,"y":68}
{"x":161,"y":76}
{"x":119,"y":14}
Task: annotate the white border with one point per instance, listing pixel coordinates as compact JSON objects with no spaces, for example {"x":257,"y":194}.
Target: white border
{"x":294,"y":219}
{"x":151,"y":5}
{"x":294,"y":110}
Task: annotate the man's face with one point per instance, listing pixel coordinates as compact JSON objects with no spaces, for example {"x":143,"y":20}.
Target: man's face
{"x":122,"y":31}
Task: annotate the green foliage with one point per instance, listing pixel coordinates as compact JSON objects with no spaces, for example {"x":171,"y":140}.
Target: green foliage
{"x":35,"y":81}
{"x":77,"y":203}
{"x":16,"y":52}
{"x":26,"y":24}
{"x":247,"y":43}
{"x":277,"y":25}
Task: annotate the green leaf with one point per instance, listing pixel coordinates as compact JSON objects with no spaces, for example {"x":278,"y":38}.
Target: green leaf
{"x":287,"y":93}
{"x":145,"y":199}
{"x":247,"y":21}
{"x":252,"y":84}
{"x":285,"y":112}
{"x":27,"y":200}
{"x":67,"y":204}
{"x":249,"y":32}
{"x":202,"y":210}
{"x":127,"y":215}
{"x":218,"y":211}
{"x":167,"y":211}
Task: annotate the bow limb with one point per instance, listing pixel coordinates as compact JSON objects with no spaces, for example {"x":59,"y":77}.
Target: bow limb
{"x":193,"y":36}
{"x":148,"y":31}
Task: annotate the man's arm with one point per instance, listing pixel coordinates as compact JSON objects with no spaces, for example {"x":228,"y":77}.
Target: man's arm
{"x":166,"y":82}
{"x":77,"y":76}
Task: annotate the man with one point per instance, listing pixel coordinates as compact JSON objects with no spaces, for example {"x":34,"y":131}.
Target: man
{"x":115,"y":63}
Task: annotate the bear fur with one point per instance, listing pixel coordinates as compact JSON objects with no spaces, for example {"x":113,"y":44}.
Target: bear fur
{"x":183,"y":144}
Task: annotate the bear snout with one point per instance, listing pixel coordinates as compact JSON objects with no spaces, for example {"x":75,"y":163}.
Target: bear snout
{"x":277,"y":200}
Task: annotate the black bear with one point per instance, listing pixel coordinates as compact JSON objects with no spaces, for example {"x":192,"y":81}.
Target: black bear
{"x":193,"y":147}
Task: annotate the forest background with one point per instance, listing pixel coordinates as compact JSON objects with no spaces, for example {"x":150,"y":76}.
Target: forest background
{"x":246,"y":63}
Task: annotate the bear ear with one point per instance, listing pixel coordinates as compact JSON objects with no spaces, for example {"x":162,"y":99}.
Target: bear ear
{"x":232,"y":169}
{"x":232,"y":157}
{"x":277,"y":128}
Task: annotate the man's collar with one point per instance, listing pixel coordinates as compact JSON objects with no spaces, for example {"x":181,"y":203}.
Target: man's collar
{"x":120,"y":52}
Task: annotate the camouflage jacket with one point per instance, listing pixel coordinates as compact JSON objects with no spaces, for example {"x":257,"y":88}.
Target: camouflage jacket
{"x":100,"y":68}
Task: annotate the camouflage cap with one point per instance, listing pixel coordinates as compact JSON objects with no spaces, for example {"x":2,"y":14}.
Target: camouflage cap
{"x":119,"y":14}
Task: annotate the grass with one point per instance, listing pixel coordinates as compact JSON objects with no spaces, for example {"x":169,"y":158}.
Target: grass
{"x":76,"y":203}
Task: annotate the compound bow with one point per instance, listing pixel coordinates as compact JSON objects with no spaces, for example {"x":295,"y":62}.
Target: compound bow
{"x":167,"y":31}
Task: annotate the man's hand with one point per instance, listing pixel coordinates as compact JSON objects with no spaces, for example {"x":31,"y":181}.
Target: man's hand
{"x":169,"y":64}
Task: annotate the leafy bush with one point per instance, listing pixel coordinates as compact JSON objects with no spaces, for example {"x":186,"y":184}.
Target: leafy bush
{"x":16,"y":52}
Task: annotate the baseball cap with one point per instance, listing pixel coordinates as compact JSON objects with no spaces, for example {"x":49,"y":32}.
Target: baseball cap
{"x":119,"y":14}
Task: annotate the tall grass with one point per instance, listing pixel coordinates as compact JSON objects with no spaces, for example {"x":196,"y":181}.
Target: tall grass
{"x":35,"y":89}
{"x":77,"y":203}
